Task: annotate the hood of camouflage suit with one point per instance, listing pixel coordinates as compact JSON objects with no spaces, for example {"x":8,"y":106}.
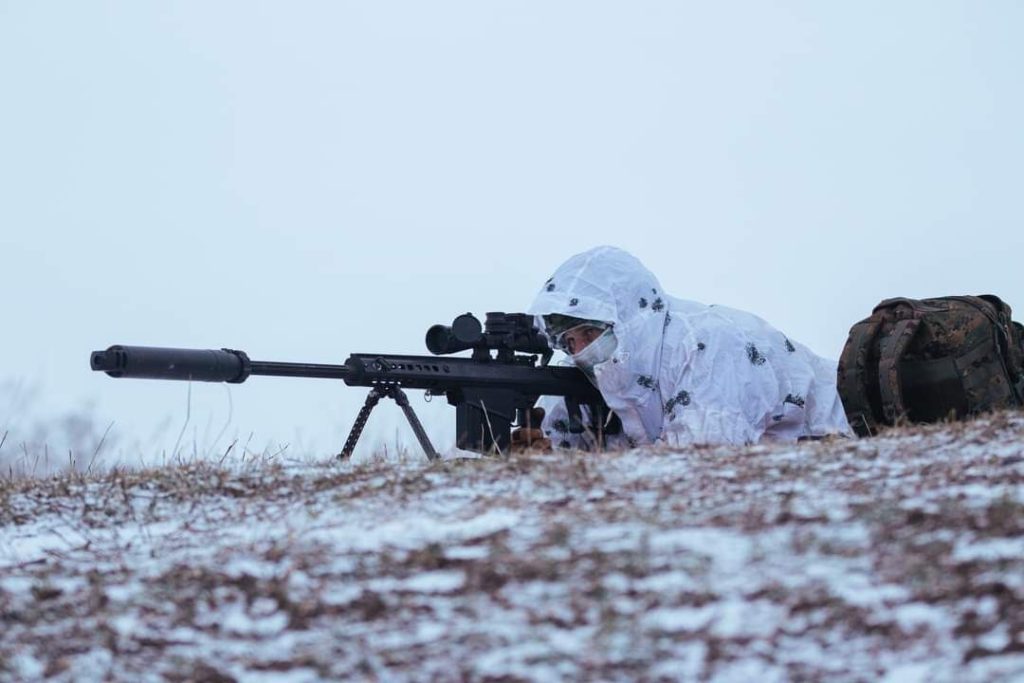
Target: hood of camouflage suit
{"x":609,"y":284}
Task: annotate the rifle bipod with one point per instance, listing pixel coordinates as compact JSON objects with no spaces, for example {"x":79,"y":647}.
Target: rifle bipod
{"x":395,"y":392}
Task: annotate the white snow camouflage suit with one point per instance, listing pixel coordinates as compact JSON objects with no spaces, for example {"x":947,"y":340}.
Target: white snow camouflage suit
{"x":684,"y":372}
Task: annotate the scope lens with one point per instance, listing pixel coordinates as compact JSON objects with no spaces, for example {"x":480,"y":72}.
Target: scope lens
{"x":466,"y":328}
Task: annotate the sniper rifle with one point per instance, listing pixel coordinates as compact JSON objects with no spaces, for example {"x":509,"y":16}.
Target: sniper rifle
{"x":493,"y":390}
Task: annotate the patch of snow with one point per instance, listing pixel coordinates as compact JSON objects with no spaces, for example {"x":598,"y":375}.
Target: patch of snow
{"x":1000,"y":668}
{"x":986,"y":606}
{"x":612,"y":538}
{"x":27,"y":548}
{"x":728,"y":550}
{"x":995,"y":640}
{"x":249,"y":566}
{"x":297,"y":675}
{"x":738,"y":618}
{"x":749,"y":669}
{"x":441,"y":581}
{"x":664,"y":583}
{"x":989,"y":549}
{"x":16,"y":584}
{"x":454,"y":453}
{"x":26,"y":667}
{"x":467,"y":552}
{"x":679,"y":619}
{"x":913,"y":672}
{"x":914,"y":615}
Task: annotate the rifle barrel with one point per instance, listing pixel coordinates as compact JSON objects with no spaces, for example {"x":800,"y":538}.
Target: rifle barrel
{"x":277,"y":369}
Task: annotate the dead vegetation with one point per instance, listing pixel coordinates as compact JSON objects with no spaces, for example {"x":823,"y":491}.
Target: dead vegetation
{"x":901,"y":556}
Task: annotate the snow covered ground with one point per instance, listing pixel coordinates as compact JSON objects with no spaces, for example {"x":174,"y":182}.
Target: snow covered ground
{"x":899,"y":558}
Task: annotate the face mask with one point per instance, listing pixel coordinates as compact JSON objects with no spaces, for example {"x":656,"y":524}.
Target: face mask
{"x":597,"y":351}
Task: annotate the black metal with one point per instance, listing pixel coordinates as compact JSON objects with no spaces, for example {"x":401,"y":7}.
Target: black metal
{"x":438,"y":375}
{"x":395,"y":392}
{"x":357,"y":427}
{"x":491,"y":390}
{"x":315,"y":370}
{"x":484,"y":418}
{"x":464,"y":333}
{"x":203,"y":365}
{"x":417,"y":427}
{"x":506,"y":333}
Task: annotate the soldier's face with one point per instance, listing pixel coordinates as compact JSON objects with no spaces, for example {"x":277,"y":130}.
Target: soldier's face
{"x":574,"y":340}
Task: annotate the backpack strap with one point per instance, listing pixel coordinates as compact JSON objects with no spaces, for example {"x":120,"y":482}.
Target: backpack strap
{"x":853,"y":374}
{"x":1017,"y":342}
{"x":891,"y":352}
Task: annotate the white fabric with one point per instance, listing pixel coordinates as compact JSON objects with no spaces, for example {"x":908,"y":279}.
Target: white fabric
{"x":684,"y":372}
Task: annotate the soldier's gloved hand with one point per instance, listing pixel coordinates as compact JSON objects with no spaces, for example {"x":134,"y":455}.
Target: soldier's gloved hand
{"x":531,"y":437}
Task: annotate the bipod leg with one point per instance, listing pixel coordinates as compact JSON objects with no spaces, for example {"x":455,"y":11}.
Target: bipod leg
{"x":403,"y":401}
{"x":357,"y":428}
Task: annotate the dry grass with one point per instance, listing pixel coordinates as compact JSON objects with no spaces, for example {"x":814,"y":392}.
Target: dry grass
{"x":900,"y":555}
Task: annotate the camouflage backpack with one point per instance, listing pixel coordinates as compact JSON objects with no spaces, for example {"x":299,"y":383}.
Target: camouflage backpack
{"x":924,"y":360}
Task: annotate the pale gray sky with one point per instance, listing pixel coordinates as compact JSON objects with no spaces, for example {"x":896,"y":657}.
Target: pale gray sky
{"x":305,"y":180}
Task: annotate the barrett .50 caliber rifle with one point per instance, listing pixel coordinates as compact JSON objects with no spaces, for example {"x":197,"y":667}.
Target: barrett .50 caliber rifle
{"x":493,"y":390}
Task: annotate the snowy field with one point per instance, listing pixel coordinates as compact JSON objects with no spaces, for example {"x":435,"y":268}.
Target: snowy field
{"x":898,"y":558}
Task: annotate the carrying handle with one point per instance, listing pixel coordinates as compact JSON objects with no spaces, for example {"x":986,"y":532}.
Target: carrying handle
{"x":891,"y":351}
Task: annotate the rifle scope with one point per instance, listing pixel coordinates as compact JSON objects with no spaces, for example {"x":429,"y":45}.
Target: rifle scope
{"x":465,"y":333}
{"x":508,"y":332}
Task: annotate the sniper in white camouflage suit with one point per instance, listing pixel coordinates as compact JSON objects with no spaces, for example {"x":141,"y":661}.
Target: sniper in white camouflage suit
{"x":681,"y":372}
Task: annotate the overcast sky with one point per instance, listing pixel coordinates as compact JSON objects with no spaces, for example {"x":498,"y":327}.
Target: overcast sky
{"x":306,"y":180}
